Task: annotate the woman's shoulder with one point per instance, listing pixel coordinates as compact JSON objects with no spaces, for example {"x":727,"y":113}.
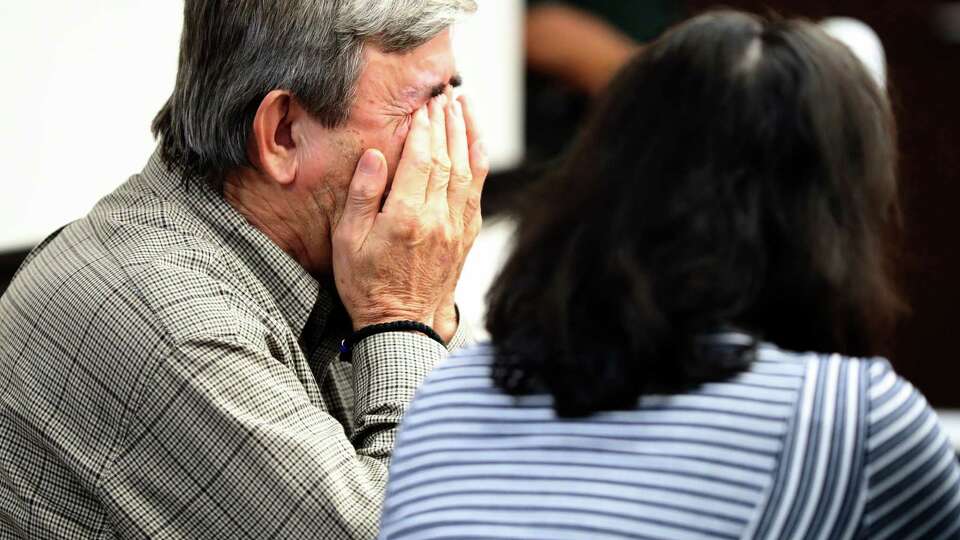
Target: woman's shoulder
{"x":861,"y":437}
{"x":826,"y":369}
{"x":475,"y":362}
{"x":465,"y":371}
{"x":472,"y":361}
{"x":833,"y":388}
{"x":470,"y":368}
{"x":874,"y":378}
{"x":826,"y":380}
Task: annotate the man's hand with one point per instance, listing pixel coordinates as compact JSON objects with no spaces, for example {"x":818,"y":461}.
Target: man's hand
{"x":403,"y":262}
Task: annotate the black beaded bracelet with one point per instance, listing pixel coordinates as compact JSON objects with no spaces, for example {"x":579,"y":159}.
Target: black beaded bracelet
{"x":395,"y":326}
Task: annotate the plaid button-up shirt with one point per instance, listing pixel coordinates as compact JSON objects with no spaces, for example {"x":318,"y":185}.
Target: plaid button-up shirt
{"x":166,"y":371}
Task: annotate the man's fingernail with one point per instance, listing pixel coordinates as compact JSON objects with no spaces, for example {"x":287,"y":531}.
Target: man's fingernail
{"x":370,"y":162}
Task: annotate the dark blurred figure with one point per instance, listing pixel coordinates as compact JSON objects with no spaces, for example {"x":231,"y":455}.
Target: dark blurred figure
{"x":685,"y":337}
{"x":573,"y":48}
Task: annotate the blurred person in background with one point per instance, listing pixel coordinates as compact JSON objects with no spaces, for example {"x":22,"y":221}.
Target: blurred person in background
{"x":685,"y":338}
{"x":224,"y":346}
{"x":573,"y":48}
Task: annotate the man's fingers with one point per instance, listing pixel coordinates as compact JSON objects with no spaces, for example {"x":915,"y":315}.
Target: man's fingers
{"x":363,"y":199}
{"x":413,"y":170}
{"x":478,"y":155}
{"x":479,"y":162}
{"x":440,"y":164}
{"x":460,"y":175}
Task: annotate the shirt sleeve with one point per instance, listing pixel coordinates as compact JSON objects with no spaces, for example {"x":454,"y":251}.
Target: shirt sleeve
{"x":388,"y":370}
{"x":913,"y":478}
{"x":225,"y":443}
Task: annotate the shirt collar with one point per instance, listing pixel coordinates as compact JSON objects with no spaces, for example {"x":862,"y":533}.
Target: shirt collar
{"x":294,"y":290}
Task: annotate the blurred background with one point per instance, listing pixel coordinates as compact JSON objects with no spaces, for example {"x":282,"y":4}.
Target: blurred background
{"x":84,"y":79}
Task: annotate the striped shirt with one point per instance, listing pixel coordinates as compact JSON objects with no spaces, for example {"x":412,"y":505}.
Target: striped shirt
{"x":800,"y":445}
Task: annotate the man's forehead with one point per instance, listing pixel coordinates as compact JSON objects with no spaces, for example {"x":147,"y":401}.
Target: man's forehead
{"x":414,"y":75}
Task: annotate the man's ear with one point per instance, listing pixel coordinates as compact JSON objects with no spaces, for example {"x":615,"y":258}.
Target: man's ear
{"x":274,"y":147}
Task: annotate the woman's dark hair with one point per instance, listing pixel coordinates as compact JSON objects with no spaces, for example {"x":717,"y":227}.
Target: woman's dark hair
{"x":739,"y":173}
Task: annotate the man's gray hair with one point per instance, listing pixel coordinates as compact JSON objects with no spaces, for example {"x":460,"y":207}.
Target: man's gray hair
{"x":233,"y":52}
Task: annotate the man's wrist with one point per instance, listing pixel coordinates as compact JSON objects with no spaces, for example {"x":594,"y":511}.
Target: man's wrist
{"x":447,"y":321}
{"x":364,"y":322}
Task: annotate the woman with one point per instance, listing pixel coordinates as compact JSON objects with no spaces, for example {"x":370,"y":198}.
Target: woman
{"x":685,"y":337}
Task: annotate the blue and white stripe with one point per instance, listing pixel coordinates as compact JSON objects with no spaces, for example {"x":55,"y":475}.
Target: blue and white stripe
{"x":799,"y":446}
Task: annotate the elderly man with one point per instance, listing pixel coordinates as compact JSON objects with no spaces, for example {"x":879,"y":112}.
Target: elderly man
{"x":225,"y":345}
